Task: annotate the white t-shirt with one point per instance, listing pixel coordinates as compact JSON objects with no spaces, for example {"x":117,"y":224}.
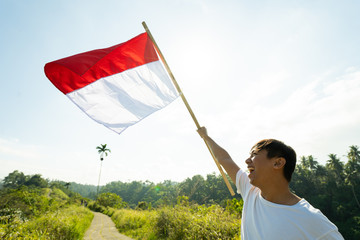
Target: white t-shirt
{"x":262,"y":219}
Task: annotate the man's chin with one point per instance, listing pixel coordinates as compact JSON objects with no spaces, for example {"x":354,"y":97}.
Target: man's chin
{"x":252,"y":182}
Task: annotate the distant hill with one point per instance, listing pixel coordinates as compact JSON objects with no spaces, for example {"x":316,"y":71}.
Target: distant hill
{"x":85,"y":190}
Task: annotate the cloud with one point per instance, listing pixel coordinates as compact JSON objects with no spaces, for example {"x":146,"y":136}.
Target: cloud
{"x":318,"y":118}
{"x":322,"y":105}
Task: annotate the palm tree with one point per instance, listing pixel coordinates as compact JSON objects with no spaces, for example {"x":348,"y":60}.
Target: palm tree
{"x":313,"y":164}
{"x":350,"y":180}
{"x":101,"y":150}
{"x":336,"y":166}
{"x":354,"y":156}
{"x":309,"y":163}
{"x":352,"y":168}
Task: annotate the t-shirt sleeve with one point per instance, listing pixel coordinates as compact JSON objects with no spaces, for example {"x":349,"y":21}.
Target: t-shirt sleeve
{"x":332,"y":235}
{"x":243,"y":185}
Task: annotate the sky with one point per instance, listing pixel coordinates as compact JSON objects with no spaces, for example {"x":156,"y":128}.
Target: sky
{"x":250,"y":70}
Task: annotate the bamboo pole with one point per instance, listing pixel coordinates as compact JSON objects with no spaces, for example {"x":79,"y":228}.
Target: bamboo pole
{"x":187,"y":106}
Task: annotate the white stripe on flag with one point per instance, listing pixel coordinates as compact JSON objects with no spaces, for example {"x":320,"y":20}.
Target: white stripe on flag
{"x":121,"y":100}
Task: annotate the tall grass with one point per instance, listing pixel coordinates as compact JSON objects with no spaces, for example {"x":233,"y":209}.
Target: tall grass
{"x":179,"y":222}
{"x":134,"y":223}
{"x":66,"y":223}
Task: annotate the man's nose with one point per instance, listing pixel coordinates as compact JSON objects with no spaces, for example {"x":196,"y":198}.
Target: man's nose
{"x":248,"y":161}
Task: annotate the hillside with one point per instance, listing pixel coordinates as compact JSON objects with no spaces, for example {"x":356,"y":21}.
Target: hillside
{"x":333,"y":188}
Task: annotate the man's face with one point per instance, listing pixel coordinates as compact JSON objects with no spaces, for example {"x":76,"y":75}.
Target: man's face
{"x":259,"y":166}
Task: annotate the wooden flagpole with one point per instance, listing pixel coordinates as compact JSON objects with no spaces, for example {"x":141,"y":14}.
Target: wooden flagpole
{"x":187,"y":106}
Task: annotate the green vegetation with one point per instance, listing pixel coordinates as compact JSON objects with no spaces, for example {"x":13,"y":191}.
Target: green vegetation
{"x":30,"y":209}
{"x":197,"y":208}
{"x":199,"y":190}
{"x":182,"y":221}
{"x":67,"y":223}
{"x":101,"y":150}
{"x":333,"y":188}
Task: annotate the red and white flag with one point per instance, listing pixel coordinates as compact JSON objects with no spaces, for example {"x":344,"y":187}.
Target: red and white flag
{"x":116,"y":86}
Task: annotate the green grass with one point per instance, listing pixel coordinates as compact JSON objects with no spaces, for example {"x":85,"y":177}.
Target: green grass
{"x":133,"y":223}
{"x":67,"y":223}
{"x":179,"y":222}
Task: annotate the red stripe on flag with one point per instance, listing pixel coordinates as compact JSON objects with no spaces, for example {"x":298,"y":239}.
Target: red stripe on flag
{"x":74,"y":72}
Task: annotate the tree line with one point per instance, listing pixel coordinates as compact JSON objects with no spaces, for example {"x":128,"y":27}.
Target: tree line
{"x":31,"y":209}
{"x":334,"y":188}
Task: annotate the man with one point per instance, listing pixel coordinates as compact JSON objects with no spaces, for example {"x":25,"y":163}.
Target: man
{"x":271,"y":211}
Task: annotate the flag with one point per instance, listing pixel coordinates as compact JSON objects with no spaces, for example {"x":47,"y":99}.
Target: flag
{"x":116,"y":86}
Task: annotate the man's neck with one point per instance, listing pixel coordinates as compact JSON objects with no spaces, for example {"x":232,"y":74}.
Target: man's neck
{"x":280,"y":194}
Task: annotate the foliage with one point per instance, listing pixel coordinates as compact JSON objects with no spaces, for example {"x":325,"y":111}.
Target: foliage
{"x":333,"y":188}
{"x":165,"y":210}
{"x":143,"y":206}
{"x":135,"y":224}
{"x":31,"y":210}
{"x":17,"y":179}
{"x":235,"y":206}
{"x":179,"y":222}
{"x":102,"y":150}
{"x":66,"y":223}
{"x":96,"y":207}
{"x":10,"y":215}
{"x":85,"y":190}
{"x":27,"y":200}
{"x":110,"y":200}
{"x":182,"y":221}
{"x":198,"y":189}
{"x":197,"y":222}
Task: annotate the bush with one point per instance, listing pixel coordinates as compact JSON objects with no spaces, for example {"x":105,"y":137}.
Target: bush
{"x":10,"y":215}
{"x":96,"y":207}
{"x":179,"y":222}
{"x":136,"y":224}
{"x":29,"y":201}
{"x":197,"y":222}
{"x":67,"y":223}
{"x":109,"y":211}
{"x":235,"y":206}
{"x":110,"y":200}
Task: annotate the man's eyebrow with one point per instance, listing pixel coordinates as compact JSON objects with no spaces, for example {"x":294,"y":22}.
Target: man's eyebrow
{"x":254,"y":151}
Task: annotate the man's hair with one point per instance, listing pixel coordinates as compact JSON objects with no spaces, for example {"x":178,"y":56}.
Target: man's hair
{"x":276,"y":148}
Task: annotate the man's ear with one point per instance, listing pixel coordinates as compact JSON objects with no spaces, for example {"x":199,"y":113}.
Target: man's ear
{"x":279,"y":162}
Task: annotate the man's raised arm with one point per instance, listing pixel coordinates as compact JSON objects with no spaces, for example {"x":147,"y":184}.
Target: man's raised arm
{"x":221,"y":155}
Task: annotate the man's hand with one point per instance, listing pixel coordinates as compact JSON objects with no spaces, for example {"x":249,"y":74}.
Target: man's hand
{"x":220,"y":154}
{"x":202,"y":132}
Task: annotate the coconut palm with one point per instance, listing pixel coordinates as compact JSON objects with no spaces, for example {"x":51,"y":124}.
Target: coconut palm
{"x":313,"y":164}
{"x":336,"y":167}
{"x":101,"y":150}
{"x":352,"y":168}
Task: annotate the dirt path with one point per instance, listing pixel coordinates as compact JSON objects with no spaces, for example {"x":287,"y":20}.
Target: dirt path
{"x":103,"y":228}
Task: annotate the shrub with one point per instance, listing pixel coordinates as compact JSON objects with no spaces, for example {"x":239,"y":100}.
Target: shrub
{"x":9,"y":215}
{"x":27,"y":200}
{"x":136,"y":224}
{"x":235,"y":206}
{"x":197,"y":222}
{"x":96,"y":207}
{"x":67,"y":223}
{"x":179,"y":222}
{"x":110,"y":200}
